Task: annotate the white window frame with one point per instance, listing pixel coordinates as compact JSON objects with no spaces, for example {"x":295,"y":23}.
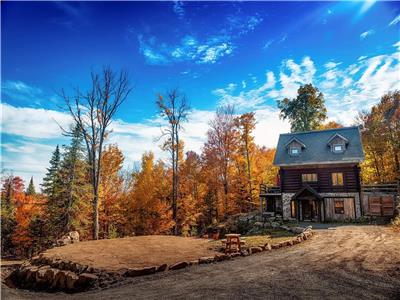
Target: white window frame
{"x":338,"y":145}
{"x":294,"y":148}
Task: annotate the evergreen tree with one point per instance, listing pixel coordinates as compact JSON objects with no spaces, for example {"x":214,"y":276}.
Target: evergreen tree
{"x":51,"y":186}
{"x":31,"y":188}
{"x":76,"y":190}
{"x":51,"y":182}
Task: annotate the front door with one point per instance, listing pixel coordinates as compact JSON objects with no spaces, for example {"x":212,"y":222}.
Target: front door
{"x":306,"y":210}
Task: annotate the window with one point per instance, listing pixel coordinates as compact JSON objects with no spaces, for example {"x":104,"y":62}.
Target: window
{"x":339,"y":207}
{"x":337,"y":179}
{"x":294,"y":151}
{"x":293,"y":209}
{"x":312,"y":177}
{"x":338,"y":148}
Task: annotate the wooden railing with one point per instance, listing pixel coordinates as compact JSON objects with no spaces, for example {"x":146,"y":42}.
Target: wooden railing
{"x":390,"y":188}
{"x":265,"y":189}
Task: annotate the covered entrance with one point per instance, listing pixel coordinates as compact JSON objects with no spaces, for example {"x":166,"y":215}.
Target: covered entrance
{"x":307,"y":205}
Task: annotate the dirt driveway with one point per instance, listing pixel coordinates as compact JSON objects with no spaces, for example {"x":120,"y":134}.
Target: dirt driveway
{"x":345,"y":262}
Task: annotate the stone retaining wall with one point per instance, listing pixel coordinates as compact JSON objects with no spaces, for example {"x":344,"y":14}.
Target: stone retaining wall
{"x":43,"y":273}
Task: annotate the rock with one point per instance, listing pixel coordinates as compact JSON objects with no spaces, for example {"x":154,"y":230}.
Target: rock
{"x":40,"y":274}
{"x":255,"y":250}
{"x":140,"y":271}
{"x":289,"y":243}
{"x":268,"y":247}
{"x":275,"y":246}
{"x":86,"y":280}
{"x":65,"y":240}
{"x":258,"y":224}
{"x":59,"y":280}
{"x":285,"y":228}
{"x":194,"y":262}
{"x":70,"y":280}
{"x":162,"y":268}
{"x":297,"y":229}
{"x":31,"y":273}
{"x":74,"y":235}
{"x":179,"y":265}
{"x":295,"y":241}
{"x":220,"y":257}
{"x":233,"y":255}
{"x":244,"y":253}
{"x":206,"y":260}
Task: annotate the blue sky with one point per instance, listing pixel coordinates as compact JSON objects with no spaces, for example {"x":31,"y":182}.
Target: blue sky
{"x":249,"y":54}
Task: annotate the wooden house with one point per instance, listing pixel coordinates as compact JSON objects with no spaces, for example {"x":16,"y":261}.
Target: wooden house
{"x":319,"y":176}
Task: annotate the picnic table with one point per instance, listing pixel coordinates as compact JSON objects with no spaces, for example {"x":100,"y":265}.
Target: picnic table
{"x":233,"y":243}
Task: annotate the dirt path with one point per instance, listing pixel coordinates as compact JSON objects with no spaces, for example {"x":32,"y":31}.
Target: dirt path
{"x":348,"y":262}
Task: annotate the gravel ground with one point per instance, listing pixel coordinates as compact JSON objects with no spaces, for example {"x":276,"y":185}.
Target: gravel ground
{"x":342,"y":262}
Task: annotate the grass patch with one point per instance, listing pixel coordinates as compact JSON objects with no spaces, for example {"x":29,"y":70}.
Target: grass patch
{"x":272,"y":236}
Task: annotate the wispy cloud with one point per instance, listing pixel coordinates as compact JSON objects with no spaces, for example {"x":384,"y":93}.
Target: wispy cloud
{"x":189,"y":49}
{"x":367,"y":33}
{"x":195,"y":49}
{"x":178,"y":9}
{"x":395,"y":21}
{"x":20,"y":91}
{"x":347,"y":89}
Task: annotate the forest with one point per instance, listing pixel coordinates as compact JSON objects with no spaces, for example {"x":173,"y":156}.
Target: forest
{"x":86,"y":187}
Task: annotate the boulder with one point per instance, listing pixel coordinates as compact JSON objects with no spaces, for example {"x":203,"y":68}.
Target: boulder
{"x":74,"y":235}
{"x":297,"y":230}
{"x":220,"y":257}
{"x":194,"y":262}
{"x":258,"y":224}
{"x":206,"y":260}
{"x":162,"y":268}
{"x":268,"y":247}
{"x":179,"y":265}
{"x":275,"y":246}
{"x":140,"y":271}
{"x":65,"y":240}
{"x":31,"y":274}
{"x":244,"y":253}
{"x":255,"y":250}
{"x":59,"y":280}
{"x":233,"y":255}
{"x":70,"y":280}
{"x":86,"y":280}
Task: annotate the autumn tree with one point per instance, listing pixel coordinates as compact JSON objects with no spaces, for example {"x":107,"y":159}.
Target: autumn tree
{"x":220,"y":148}
{"x":93,"y":111}
{"x":111,"y":193}
{"x":305,"y":112}
{"x":11,"y":192}
{"x":330,"y":125}
{"x":149,"y":211}
{"x":245,"y":125}
{"x":174,"y":108}
{"x":380,"y":129}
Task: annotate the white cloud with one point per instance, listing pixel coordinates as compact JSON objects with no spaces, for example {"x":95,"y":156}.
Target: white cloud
{"x":191,"y":48}
{"x":331,"y":65}
{"x":395,"y":21}
{"x":365,"y":34}
{"x":32,"y":122}
{"x":347,"y":89}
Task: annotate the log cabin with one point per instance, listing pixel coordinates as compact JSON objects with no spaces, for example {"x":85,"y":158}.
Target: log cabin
{"x":319,"y":176}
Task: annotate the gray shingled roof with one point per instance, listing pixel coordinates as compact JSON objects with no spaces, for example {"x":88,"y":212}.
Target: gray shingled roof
{"x":317,"y":150}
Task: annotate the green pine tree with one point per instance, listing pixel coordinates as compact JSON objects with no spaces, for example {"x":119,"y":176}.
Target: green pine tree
{"x":51,"y":186}
{"x":75,"y":186}
{"x":8,"y":221}
{"x":31,"y":188}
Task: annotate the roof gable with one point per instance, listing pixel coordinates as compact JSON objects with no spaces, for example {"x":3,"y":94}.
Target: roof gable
{"x":317,"y":150}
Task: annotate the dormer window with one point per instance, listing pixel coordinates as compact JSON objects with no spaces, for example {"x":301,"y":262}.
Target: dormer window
{"x":338,"y":143}
{"x":294,"y":146}
{"x":338,"y":148}
{"x":295,"y":151}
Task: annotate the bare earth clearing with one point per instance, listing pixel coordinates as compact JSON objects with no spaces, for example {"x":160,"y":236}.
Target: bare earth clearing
{"x":133,"y":252}
{"x":346,"y":262}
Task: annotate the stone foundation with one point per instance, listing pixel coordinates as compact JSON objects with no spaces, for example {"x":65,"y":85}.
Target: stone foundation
{"x":287,"y":197}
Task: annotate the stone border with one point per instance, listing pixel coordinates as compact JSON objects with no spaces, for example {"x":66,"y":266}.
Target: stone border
{"x":43,"y":273}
